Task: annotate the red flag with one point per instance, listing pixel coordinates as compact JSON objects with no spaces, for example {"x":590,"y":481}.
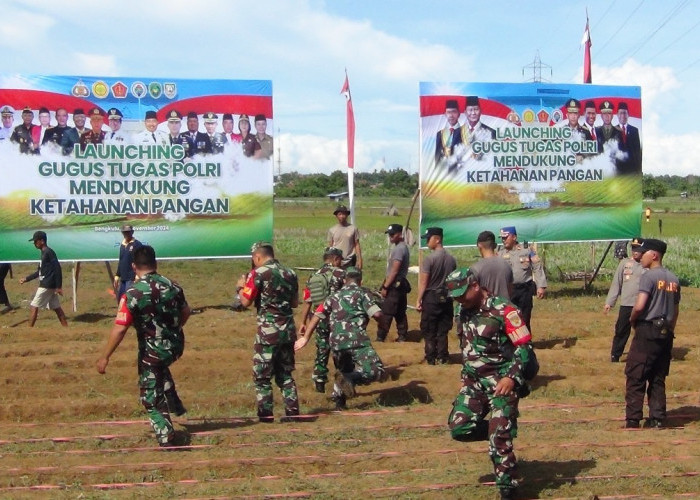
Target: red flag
{"x":351,"y":123}
{"x":587,"y":75}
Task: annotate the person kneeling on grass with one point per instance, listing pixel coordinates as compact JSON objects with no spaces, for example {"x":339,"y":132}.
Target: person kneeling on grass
{"x":348,"y":312}
{"x":158,"y":310}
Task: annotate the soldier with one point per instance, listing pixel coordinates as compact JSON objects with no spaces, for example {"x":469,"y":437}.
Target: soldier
{"x":346,"y":237}
{"x":174,"y":126}
{"x":198,"y":141}
{"x":395,"y":287}
{"x":450,"y":136}
{"x":116,"y":134}
{"x":151,"y":136}
{"x":71,"y":137}
{"x":216,"y":139}
{"x":22,"y":134}
{"x":95,"y":135}
{"x":492,"y":271}
{"x":625,"y":285}
{"x":265,"y":140}
{"x":432,"y":301}
{"x":54,"y":136}
{"x":157,"y":309}
{"x":348,"y":311}
{"x":324,"y":282}
{"x":654,"y":318}
{"x":124,"y":277}
{"x":495,"y":349}
{"x":8,"y":118}
{"x":528,"y":274}
{"x":275,"y":291}
{"x":606,"y":132}
{"x":50,"y":281}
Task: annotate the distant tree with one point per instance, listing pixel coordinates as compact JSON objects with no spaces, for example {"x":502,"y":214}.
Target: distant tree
{"x":653,"y":188}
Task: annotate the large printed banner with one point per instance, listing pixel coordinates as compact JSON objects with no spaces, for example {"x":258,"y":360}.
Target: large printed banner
{"x":558,"y":162}
{"x":187,"y":163}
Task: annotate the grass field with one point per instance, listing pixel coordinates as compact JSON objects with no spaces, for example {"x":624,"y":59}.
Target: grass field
{"x":67,"y":432}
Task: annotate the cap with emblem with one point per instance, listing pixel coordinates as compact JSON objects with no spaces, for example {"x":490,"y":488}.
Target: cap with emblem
{"x":573,"y":105}
{"x":151,"y":115}
{"x":393,"y":229}
{"x":114,"y":114}
{"x":127,"y":228}
{"x":508,"y":230}
{"x":341,"y":209}
{"x":332,"y":252}
{"x":431,"y":231}
{"x":458,"y":281}
{"x":7,"y":110}
{"x":95,"y":112}
{"x":38,"y":235}
{"x":606,"y":107}
{"x":653,"y":244}
{"x":174,"y":116}
{"x":26,"y":110}
{"x":243,"y":118}
{"x":636,"y":242}
{"x":210,"y":117}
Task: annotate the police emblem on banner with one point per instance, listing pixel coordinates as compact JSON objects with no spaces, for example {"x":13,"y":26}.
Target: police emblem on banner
{"x":80,"y":89}
{"x":119,"y":90}
{"x":556,"y":115}
{"x":170,"y":90}
{"x":100,"y":89}
{"x":138,"y":89}
{"x":513,"y":118}
{"x":528,"y":116}
{"x":155,"y":89}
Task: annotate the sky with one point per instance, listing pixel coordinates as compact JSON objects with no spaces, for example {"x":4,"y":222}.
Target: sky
{"x":387,"y":47}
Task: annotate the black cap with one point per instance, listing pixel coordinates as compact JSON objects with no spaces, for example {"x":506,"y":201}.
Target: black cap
{"x":210,"y":117}
{"x":341,"y":208}
{"x":38,"y":235}
{"x":622,"y":105}
{"x":636,"y":242}
{"x":393,"y":229}
{"x":485,"y":236}
{"x":653,"y":244}
{"x":606,"y":107}
{"x":191,"y":114}
{"x":260,"y":118}
{"x":590,"y":104}
{"x":43,"y":110}
{"x":151,"y":114}
{"x":573,"y":105}
{"x":228,"y":116}
{"x":432,"y":231}
{"x":96,"y":112}
{"x":451,"y":104}
{"x":472,"y":100}
{"x":174,"y":115}
{"x":78,"y":111}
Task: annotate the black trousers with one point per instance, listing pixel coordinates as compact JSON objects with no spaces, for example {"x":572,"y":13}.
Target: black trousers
{"x":648,"y":363}
{"x":622,"y":331}
{"x":435,"y":324}
{"x":4,"y":269}
{"x":394,"y":307}
{"x":522,"y":297}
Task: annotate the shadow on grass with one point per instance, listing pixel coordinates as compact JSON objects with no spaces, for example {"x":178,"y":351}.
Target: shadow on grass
{"x":393,"y":372}
{"x":539,"y":475}
{"x":679,"y":417}
{"x":551,"y":343}
{"x":414,"y":336}
{"x":679,"y":353}
{"x":213,"y":424}
{"x":576,"y":291}
{"x":218,"y":307}
{"x":91,"y":317}
{"x":403,"y":395}
{"x":544,"y":380}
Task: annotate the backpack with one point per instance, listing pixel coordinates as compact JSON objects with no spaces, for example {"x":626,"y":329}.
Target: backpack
{"x":532,"y":367}
{"x":319,"y":287}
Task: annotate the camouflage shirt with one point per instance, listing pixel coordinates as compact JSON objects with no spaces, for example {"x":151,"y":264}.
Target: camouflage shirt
{"x":495,"y":341}
{"x":274,"y":288}
{"x":153,"y":305}
{"x":335,"y":277}
{"x":349,"y":311}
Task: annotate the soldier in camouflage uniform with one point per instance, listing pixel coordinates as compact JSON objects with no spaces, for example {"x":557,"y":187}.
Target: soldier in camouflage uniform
{"x":275,"y":291}
{"x":528,"y":274}
{"x":324,"y":282}
{"x":157,"y":308}
{"x":495,"y":349}
{"x":348,"y":311}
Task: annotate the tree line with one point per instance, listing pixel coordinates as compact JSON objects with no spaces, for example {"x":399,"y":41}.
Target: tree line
{"x":384,"y":183}
{"x":654,"y":187}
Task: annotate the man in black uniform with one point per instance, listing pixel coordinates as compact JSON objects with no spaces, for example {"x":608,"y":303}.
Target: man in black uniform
{"x":450,"y":136}
{"x":433,"y":302}
{"x":654,"y":318}
{"x":198,"y":141}
{"x":22,"y":134}
{"x":395,"y":287}
{"x":125,"y":275}
{"x":54,"y":135}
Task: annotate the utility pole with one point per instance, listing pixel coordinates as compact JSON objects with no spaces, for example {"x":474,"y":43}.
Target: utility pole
{"x":279,"y":156}
{"x":536,"y":66}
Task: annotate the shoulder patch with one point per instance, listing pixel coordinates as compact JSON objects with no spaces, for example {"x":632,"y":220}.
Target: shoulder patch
{"x":514,"y":318}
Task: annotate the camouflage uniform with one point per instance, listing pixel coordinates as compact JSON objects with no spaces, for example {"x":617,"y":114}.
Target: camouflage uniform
{"x":494,"y":345}
{"x":336,"y":278}
{"x":348,"y":312}
{"x":153,"y":307}
{"x":273,"y":287}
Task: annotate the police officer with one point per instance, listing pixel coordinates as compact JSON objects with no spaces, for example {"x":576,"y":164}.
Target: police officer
{"x":395,"y":287}
{"x":274,"y":289}
{"x":174,"y":126}
{"x":625,"y":285}
{"x":348,"y":311}
{"x":157,"y":309}
{"x":325,"y":281}
{"x":528,"y":274}
{"x":8,"y":117}
{"x":654,"y":318}
{"x":216,"y":139}
{"x":495,"y":349}
{"x":95,"y":135}
{"x":116,"y":135}
{"x":22,"y":134}
{"x":432,"y":302}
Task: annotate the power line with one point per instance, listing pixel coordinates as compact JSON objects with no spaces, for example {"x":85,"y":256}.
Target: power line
{"x":600,"y":50}
{"x":673,"y":42}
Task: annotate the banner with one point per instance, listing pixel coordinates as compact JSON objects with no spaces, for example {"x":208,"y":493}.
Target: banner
{"x":558,"y":162}
{"x":188,"y":163}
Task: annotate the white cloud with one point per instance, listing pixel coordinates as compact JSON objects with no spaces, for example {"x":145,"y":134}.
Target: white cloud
{"x":95,"y":64}
{"x":22,"y":29}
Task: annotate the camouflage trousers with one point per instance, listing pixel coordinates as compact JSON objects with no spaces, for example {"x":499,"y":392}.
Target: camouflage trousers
{"x":323,"y":352}
{"x":274,"y":360}
{"x":156,"y":384}
{"x":360,"y":365}
{"x":467,"y":422}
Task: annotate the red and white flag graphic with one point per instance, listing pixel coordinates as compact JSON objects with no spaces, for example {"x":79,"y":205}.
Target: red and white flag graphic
{"x":351,"y":123}
{"x":587,"y":75}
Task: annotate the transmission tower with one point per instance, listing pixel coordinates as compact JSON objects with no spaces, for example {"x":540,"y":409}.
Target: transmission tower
{"x":279,"y":155}
{"x":537,"y":66}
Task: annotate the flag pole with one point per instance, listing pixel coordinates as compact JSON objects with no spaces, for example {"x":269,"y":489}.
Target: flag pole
{"x":351,"y":146}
